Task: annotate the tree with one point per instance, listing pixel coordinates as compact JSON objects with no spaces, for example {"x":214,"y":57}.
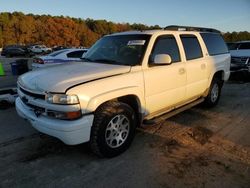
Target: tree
{"x":18,"y":28}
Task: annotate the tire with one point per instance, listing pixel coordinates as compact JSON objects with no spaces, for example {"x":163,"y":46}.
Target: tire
{"x":104,"y":134}
{"x":214,"y":93}
{"x":4,"y":105}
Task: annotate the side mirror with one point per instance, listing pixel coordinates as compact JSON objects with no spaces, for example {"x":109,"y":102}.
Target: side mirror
{"x":162,"y":59}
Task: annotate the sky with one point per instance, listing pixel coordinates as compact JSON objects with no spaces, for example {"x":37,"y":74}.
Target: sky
{"x":225,"y":15}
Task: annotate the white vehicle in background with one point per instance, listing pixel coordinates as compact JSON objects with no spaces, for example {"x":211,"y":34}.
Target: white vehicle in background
{"x":58,"y":57}
{"x":40,"y":49}
{"x":240,"y":57}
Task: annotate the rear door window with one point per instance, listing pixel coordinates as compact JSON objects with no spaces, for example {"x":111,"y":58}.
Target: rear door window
{"x":214,"y":43}
{"x":191,"y":46}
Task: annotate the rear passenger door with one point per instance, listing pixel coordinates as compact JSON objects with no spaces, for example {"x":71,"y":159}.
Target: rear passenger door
{"x":196,"y":66}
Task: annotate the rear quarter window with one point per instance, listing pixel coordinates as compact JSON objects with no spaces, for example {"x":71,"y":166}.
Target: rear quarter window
{"x":214,"y":43}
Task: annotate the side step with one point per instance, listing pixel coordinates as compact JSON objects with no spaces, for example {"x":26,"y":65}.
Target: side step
{"x":161,"y":118}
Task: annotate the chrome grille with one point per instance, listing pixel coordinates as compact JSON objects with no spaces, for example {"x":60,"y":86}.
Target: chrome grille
{"x":240,"y":60}
{"x":35,"y":95}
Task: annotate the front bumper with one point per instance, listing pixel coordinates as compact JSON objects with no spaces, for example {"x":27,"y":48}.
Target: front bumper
{"x":70,"y":132}
{"x":240,"y":64}
{"x":239,"y":68}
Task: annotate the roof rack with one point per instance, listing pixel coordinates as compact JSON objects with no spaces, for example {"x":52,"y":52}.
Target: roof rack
{"x":189,"y":28}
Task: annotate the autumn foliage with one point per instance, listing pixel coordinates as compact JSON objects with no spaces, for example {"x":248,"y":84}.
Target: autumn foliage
{"x":18,"y":28}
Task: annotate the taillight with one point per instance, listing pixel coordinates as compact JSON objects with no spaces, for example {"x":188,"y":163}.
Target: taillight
{"x":38,"y":60}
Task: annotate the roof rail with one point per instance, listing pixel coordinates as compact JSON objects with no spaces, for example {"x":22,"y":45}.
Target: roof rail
{"x":189,"y":28}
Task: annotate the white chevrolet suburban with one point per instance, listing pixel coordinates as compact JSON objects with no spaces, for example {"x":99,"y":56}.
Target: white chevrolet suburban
{"x":125,"y":78}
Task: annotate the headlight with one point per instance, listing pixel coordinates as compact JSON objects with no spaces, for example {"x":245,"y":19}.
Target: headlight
{"x":62,"y":98}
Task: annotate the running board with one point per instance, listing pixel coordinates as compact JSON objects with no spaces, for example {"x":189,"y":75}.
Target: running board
{"x":159,"y":119}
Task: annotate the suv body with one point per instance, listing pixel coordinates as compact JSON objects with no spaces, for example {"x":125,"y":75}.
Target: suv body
{"x":240,"y":57}
{"x":125,"y":78}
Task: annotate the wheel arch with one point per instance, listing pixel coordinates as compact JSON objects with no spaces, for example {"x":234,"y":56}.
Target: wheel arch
{"x":220,"y":74}
{"x":130,"y":99}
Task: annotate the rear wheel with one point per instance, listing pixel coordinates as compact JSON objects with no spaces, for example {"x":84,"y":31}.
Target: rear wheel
{"x":113,"y":129}
{"x":214,"y":93}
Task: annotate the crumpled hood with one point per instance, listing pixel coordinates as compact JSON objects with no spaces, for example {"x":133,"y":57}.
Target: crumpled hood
{"x":240,"y":53}
{"x":60,"y":78}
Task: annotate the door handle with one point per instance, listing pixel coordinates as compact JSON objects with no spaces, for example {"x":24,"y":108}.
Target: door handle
{"x":182,"y":71}
{"x":203,"y":66}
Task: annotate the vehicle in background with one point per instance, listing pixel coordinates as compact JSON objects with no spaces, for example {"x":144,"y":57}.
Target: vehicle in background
{"x":56,"y":48}
{"x":240,"y":57}
{"x":58,"y":57}
{"x":7,"y":97}
{"x":40,"y":49}
{"x":16,"y":51}
{"x":230,"y":45}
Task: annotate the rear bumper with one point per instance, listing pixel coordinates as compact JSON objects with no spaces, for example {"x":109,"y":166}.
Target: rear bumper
{"x":70,"y":132}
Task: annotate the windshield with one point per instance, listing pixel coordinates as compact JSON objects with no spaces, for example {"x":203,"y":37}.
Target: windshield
{"x":240,"y":46}
{"x":232,"y":46}
{"x":118,"y":50}
{"x":244,"y":46}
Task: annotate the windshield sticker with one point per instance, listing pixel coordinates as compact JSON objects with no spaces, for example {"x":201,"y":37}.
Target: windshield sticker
{"x":136,"y":42}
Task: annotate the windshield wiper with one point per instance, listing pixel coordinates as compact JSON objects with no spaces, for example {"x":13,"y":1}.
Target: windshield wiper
{"x":108,"y":61}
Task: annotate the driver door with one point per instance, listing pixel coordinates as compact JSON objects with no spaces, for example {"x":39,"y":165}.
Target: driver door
{"x":165,"y":85}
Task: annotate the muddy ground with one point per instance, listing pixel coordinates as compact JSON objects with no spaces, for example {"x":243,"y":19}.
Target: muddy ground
{"x":197,"y":148}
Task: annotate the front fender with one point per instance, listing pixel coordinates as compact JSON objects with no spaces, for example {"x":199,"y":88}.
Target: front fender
{"x":99,"y":99}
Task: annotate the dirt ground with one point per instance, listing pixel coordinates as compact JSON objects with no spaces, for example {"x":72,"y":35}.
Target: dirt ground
{"x":197,"y":148}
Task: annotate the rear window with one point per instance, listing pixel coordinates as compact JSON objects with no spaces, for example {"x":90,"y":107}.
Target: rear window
{"x":191,"y":46}
{"x":214,"y":43}
{"x":76,"y":54}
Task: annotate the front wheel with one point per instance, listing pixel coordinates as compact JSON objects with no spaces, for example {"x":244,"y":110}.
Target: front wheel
{"x":214,"y":93}
{"x":113,"y":129}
